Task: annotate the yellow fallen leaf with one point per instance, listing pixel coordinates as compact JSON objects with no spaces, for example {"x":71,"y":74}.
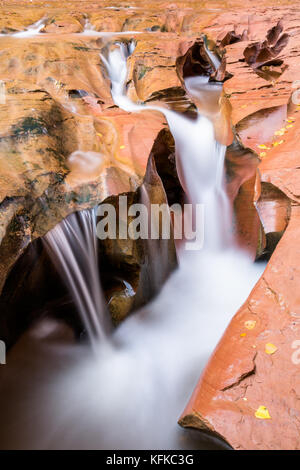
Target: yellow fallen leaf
{"x":262,"y":413}
{"x":245,"y":399}
{"x":244,"y":106}
{"x":262,"y":146}
{"x":262,"y":154}
{"x":99,"y":134}
{"x":270,"y":348}
{"x":290,"y":125}
{"x":243,"y":334}
{"x":277,"y":143}
{"x":122,"y":147}
{"x":250,"y":324}
{"x":279,"y":132}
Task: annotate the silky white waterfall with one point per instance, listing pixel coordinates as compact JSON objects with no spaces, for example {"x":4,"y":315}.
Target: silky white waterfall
{"x":130,"y":396}
{"x":73,"y":246}
{"x":199,"y":157}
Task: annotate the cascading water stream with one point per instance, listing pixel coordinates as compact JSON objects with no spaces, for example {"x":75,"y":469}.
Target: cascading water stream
{"x":130,"y":396}
{"x":31,"y":30}
{"x":199,"y":158}
{"x":88,"y":30}
{"x":73,"y":246}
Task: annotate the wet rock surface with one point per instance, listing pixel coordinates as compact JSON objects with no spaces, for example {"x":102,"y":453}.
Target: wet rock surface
{"x":256,"y":364}
{"x":58,"y":107}
{"x":64,"y":145}
{"x":248,"y":392}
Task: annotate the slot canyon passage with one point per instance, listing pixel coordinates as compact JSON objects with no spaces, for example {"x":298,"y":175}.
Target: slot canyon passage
{"x":149,"y":342}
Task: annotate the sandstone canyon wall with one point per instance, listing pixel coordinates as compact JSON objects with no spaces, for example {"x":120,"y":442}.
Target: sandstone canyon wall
{"x":58,"y":107}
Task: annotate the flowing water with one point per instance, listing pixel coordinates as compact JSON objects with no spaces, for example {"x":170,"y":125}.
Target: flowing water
{"x":73,"y":246}
{"x":88,"y":30}
{"x":31,"y":30}
{"x":131,"y":394}
{"x":199,"y":158}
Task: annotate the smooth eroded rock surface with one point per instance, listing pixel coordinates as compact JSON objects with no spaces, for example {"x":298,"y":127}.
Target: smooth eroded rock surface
{"x":249,"y":392}
{"x":65,"y":146}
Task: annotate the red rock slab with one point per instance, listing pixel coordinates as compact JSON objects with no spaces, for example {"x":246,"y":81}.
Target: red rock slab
{"x":184,"y":17}
{"x":257,"y":362}
{"x":258,"y":129}
{"x":241,"y":376}
{"x":273,"y":134}
{"x":247,"y":91}
{"x":49,"y":114}
{"x":152,"y":66}
{"x":273,"y":207}
{"x":241,"y":166}
{"x":280,"y":165}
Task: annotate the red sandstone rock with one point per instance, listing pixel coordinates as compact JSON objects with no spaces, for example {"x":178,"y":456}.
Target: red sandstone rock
{"x":58,"y":106}
{"x":241,"y":376}
{"x":44,"y":79}
{"x":249,"y":392}
{"x":49,"y":115}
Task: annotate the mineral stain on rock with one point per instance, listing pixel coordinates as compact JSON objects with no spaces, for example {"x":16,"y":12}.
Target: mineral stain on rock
{"x":29,"y":126}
